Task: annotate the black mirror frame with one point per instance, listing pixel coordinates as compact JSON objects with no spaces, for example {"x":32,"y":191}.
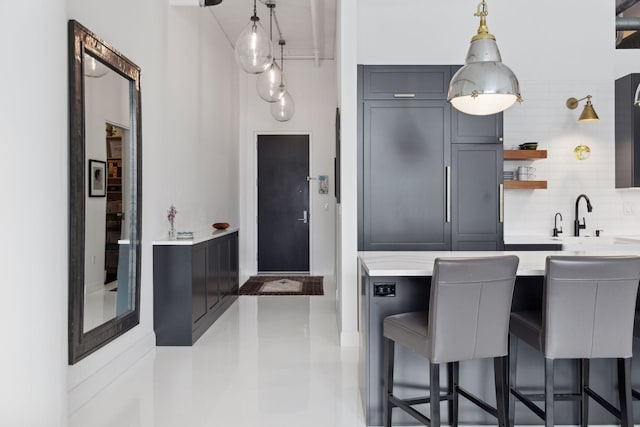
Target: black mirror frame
{"x":81,"y":40}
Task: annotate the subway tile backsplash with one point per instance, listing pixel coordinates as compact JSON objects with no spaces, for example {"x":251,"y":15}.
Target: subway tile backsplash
{"x":543,"y":117}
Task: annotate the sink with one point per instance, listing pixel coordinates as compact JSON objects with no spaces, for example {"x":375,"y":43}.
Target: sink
{"x":594,"y":243}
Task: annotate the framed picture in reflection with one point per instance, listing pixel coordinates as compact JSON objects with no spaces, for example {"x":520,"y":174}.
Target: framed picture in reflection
{"x":114,"y":147}
{"x":97,"y":178}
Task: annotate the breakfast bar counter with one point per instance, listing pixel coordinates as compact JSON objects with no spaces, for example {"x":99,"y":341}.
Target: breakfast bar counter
{"x":397,"y":282}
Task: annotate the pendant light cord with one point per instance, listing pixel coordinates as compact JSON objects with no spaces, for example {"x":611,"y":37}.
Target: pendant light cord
{"x":281,"y":42}
{"x":271,"y":23}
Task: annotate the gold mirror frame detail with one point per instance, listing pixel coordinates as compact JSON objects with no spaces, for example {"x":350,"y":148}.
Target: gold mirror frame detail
{"x":82,"y":41}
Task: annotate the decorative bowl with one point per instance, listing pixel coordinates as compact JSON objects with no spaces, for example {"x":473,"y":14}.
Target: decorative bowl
{"x":221,"y":225}
{"x":529,"y":146}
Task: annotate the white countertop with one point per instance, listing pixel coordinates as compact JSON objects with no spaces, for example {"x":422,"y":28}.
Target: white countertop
{"x":602,"y":240}
{"x":198,"y":237}
{"x":420,"y":263}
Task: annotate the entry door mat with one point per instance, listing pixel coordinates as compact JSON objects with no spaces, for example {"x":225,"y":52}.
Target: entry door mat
{"x":283,"y":285}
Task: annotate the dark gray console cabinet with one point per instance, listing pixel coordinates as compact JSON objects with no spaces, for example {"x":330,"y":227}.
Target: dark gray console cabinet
{"x":627,"y":132}
{"x":429,"y":176}
{"x":193,"y":284}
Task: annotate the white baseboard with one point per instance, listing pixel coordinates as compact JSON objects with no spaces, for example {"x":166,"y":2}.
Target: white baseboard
{"x":87,"y":389}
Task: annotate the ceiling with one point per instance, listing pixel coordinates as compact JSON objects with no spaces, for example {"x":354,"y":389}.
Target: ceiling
{"x":307,"y":26}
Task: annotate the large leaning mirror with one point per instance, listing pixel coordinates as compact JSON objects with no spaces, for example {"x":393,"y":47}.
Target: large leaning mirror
{"x":105,"y":193}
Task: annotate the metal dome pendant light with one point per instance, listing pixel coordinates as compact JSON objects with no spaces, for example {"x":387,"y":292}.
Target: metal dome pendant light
{"x":268,"y":83}
{"x":484,"y":85}
{"x":283,"y":109}
{"x":253,"y":48}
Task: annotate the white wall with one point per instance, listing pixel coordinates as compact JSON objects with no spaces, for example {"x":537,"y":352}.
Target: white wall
{"x":566,"y":51}
{"x":314,"y":93}
{"x":189,"y":133}
{"x":33,"y":213}
{"x":347,"y":217}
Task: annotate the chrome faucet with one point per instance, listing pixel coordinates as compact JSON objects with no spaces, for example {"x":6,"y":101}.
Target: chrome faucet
{"x":576,"y":224}
{"x":556,"y":232}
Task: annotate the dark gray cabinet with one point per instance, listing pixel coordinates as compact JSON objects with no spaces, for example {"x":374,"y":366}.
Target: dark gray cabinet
{"x":468,"y":129}
{"x":429,"y":176}
{"x":199,"y":283}
{"x":406,"y":82}
{"x":627,"y":132}
{"x":192,"y":286}
{"x":213,"y":270}
{"x":406,"y":156}
{"x":477,"y":203}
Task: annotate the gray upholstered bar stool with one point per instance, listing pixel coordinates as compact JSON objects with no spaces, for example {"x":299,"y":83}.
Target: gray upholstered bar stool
{"x":588,"y":312}
{"x":635,"y":393}
{"x":468,"y":318}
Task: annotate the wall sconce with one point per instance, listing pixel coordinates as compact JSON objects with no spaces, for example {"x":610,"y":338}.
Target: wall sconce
{"x":588,"y":114}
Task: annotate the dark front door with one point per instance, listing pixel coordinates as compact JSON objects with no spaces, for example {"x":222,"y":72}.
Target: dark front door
{"x":283,"y":203}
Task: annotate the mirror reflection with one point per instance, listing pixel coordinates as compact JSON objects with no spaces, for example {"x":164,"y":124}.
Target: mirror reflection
{"x":107,"y":133}
{"x":105,"y":196}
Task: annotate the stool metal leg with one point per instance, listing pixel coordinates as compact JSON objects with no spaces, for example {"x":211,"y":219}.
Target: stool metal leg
{"x":548,"y":392}
{"x":500,"y":367}
{"x":512,"y":358}
{"x":583,"y":367}
{"x":453,"y":370}
{"x":624,"y":389}
{"x":434,"y":401}
{"x":388,"y":356}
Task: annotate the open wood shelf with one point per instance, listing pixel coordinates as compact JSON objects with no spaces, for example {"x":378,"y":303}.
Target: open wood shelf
{"x":525,"y":154}
{"x":525,"y":185}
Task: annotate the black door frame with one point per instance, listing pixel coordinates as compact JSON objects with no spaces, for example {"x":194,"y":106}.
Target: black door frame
{"x":255,"y":184}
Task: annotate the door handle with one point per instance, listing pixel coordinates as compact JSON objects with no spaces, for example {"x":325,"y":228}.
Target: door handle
{"x":448,"y":193}
{"x":501,"y":208}
{"x":305,"y":218}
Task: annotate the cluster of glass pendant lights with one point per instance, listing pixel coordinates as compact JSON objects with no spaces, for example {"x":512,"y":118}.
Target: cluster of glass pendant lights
{"x":254,"y":54}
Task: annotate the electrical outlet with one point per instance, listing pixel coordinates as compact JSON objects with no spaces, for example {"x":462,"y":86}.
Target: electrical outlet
{"x":384,"y":289}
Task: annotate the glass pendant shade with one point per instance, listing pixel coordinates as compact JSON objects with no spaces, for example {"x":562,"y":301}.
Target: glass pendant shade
{"x":484,"y":85}
{"x":93,"y":67}
{"x":268,"y":83}
{"x":283,"y":109}
{"x":253,"y":48}
{"x":582,"y":152}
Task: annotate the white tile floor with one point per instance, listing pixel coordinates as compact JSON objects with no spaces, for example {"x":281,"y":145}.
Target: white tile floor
{"x":268,"y":361}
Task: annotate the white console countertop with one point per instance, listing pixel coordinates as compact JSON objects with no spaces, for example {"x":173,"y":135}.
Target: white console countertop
{"x":198,"y":237}
{"x":420,"y":263}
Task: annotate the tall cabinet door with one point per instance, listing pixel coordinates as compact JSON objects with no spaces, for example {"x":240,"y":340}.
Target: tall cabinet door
{"x":406,"y":155}
{"x":477,"y":203}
